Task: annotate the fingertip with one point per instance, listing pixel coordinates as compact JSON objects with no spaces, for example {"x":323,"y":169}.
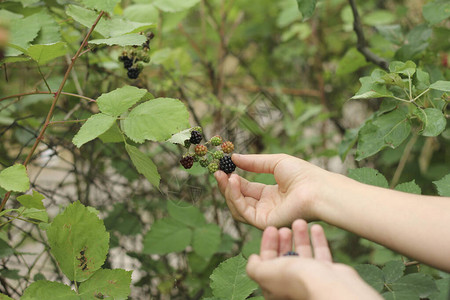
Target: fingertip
{"x":299,"y":225}
{"x":252,"y":262}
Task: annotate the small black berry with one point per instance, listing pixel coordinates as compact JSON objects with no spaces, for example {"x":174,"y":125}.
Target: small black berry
{"x":227,"y":165}
{"x":196,"y":137}
{"x":133,"y":73}
{"x":127,"y":63}
{"x":291,"y":253}
{"x":187,"y":161}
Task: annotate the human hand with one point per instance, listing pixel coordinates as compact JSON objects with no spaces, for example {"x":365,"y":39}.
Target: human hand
{"x":299,"y":184}
{"x":307,"y":276}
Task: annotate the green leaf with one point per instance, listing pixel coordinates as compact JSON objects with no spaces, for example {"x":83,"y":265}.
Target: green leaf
{"x":42,"y":54}
{"x":436,"y":11}
{"x":379,"y":17}
{"x":352,"y":61}
{"x":443,"y":186}
{"x":441,"y":85}
{"x":120,"y":100}
{"x":409,"y":187}
{"x":388,"y":130}
{"x":32,"y":201}
{"x":5,"y":249}
{"x":36,"y":214}
{"x":186,"y":213}
{"x":373,"y":86}
{"x":22,"y":32}
{"x":121,"y":220}
{"x":394,"y":79}
{"x":206,"y":240}
{"x":166,"y":236}
{"x":144,"y":165}
{"x":401,"y":295}
{"x":142,"y":13}
{"x":349,"y":140}
{"x":368,"y":176}
{"x":372,"y":275}
{"x":131,"y":39}
{"x":49,"y":290}
{"x":107,"y":283}
{"x":174,"y":5}
{"x":306,"y":7}
{"x":230,"y":281}
{"x":96,"y":125}
{"x":106,"y":5}
{"x":416,"y":42}
{"x":156,"y":120}
{"x":421,"y":284}
{"x":79,"y":242}
{"x":444,"y":289}
{"x":405,"y":68}
{"x":393,"y":270}
{"x":4,"y":297}
{"x":112,"y":135}
{"x":15,"y":178}
{"x":433,"y":119}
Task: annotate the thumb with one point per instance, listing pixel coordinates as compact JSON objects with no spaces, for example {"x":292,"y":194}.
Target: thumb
{"x":258,"y":163}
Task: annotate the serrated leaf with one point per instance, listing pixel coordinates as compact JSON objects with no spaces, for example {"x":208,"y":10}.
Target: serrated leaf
{"x":112,"y":135}
{"x":393,"y":270}
{"x":443,"y":186}
{"x":131,"y":39}
{"x":306,"y":7}
{"x":107,"y":283}
{"x":433,"y":119}
{"x":388,"y":130}
{"x":15,"y":179}
{"x":166,"y":236}
{"x":421,"y":284}
{"x":144,"y":165}
{"x":95,"y":126}
{"x":230,"y":281}
{"x":79,"y":242}
{"x":368,"y":176}
{"x":36,"y":214}
{"x":180,"y":137}
{"x":206,"y":240}
{"x":373,"y":86}
{"x":32,"y":201}
{"x":401,"y":295}
{"x":372,"y":275}
{"x":22,"y":32}
{"x":156,"y":120}
{"x":444,"y":289}
{"x":42,"y":54}
{"x":436,"y":11}
{"x":120,"y":100}
{"x":409,"y":187}
{"x":106,"y":5}
{"x":186,"y":213}
{"x":174,"y":5}
{"x":441,"y":85}
{"x":49,"y":290}
{"x":407,"y":68}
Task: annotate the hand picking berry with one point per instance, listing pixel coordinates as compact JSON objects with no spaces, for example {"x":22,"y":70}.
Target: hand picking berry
{"x":227,"y":165}
{"x":227,"y":147}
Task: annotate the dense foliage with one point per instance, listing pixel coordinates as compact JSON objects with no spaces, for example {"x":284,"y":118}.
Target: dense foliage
{"x":98,"y":97}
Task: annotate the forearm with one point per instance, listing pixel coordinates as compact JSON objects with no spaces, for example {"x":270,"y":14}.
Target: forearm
{"x":416,"y":226}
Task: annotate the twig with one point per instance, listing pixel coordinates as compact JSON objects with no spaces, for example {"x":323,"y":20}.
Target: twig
{"x":403,"y":160}
{"x":362,"y":44}
{"x":55,"y":101}
{"x":43,"y":92}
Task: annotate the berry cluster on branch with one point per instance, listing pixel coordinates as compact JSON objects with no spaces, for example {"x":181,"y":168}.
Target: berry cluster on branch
{"x":133,"y":57}
{"x":213,"y":160}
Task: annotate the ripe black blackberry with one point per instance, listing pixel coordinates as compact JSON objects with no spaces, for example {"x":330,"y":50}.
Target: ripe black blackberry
{"x":291,"y":253}
{"x":133,"y":73}
{"x":227,"y":165}
{"x":196,"y":137}
{"x":127,"y":62}
{"x":187,"y":161}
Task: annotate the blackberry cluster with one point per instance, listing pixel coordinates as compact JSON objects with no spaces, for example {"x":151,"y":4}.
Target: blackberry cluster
{"x":132,"y":57}
{"x":211,"y":159}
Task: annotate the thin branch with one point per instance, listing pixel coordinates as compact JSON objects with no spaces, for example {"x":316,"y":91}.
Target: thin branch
{"x":362,"y":44}
{"x":43,"y":92}
{"x":403,"y":160}
{"x":43,"y":78}
{"x":55,"y":101}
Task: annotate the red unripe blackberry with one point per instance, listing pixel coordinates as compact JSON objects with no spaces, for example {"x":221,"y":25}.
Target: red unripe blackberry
{"x":187,"y":161}
{"x":201,"y":150}
{"x":227,"y":165}
{"x":227,"y":147}
{"x":196,"y":137}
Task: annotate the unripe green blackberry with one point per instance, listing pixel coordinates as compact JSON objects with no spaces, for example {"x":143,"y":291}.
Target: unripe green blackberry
{"x":227,"y":147}
{"x":216,"y":140}
{"x":204,"y":162}
{"x":187,"y":161}
{"x":197,"y":128}
{"x":218,"y":154}
{"x":201,"y":150}
{"x":213,"y":167}
{"x":187,"y":143}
